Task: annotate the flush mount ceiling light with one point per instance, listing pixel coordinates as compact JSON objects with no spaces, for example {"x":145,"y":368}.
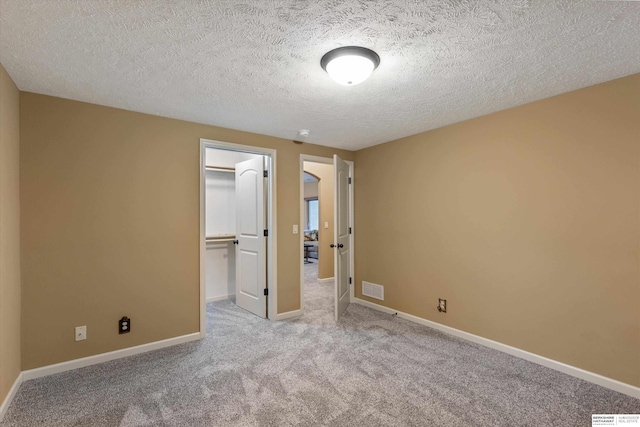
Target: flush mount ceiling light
{"x":350,"y":65}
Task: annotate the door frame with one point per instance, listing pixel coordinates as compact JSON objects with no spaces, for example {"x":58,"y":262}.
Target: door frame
{"x":272,"y":255}
{"x":326,"y":160}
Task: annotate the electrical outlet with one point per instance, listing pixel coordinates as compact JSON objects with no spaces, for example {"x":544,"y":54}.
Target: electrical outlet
{"x":442,"y":305}
{"x":124,"y":325}
{"x":81,"y":333}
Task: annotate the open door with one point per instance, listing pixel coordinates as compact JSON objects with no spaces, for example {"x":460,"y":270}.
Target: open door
{"x":251,"y":275}
{"x":341,"y":245}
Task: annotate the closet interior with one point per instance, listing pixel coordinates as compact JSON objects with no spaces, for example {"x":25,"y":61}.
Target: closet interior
{"x":220,"y":221}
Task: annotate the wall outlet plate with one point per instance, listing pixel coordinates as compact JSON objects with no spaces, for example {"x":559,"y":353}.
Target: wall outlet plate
{"x":442,"y":305}
{"x":124,"y":325}
{"x":81,"y":333}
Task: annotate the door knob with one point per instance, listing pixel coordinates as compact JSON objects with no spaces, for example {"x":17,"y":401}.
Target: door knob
{"x":332,"y":245}
{"x":235,"y":242}
{"x":340,"y":245}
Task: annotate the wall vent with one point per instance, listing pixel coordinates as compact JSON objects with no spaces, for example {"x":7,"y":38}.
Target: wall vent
{"x":372,"y":290}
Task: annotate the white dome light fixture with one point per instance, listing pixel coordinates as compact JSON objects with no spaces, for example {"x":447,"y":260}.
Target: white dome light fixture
{"x":350,"y":65}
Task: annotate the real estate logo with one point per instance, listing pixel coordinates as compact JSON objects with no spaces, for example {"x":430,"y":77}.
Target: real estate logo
{"x":615,"y":420}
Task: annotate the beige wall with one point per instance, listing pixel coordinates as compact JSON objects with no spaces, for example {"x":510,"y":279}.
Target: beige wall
{"x":110,"y":217}
{"x":9,"y":233}
{"x":526,"y":221}
{"x":310,"y":189}
{"x":325,"y":199}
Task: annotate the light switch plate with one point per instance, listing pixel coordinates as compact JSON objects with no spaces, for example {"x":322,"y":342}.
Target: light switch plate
{"x":326,"y":224}
{"x":81,"y":333}
{"x":295,"y":228}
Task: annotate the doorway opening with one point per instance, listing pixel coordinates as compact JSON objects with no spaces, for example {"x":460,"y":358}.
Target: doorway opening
{"x":326,"y":240}
{"x":237,"y":228}
{"x":311,"y":224}
{"x":317,"y":226}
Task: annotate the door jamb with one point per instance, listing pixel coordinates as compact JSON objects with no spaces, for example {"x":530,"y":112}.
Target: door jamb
{"x":272,"y":285}
{"x":325,"y":160}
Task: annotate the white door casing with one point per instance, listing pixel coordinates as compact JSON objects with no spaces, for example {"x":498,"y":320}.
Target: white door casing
{"x":341,"y":240}
{"x":250,"y":249}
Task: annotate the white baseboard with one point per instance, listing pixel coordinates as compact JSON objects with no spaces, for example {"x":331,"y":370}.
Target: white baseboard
{"x":289,"y":315}
{"x":591,"y":377}
{"x":105,"y":357}
{"x":327,"y":280}
{"x":9,"y":397}
{"x":220,"y":298}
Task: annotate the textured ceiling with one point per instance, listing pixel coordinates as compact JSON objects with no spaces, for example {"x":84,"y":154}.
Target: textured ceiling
{"x":255,"y":65}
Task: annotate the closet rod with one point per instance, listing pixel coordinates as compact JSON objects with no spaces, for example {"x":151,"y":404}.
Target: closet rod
{"x":219,"y":240}
{"x":219,"y":169}
{"x":229,"y":238}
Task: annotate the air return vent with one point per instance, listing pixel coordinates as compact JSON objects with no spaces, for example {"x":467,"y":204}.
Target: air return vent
{"x":372,"y":290}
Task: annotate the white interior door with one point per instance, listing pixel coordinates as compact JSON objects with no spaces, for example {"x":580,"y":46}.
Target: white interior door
{"x":250,"y":250}
{"x":342,"y":250}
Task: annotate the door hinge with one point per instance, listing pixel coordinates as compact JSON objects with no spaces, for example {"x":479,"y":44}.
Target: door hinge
{"x":266,"y":292}
{"x":266,"y":233}
{"x":349,"y":180}
{"x":266,"y":174}
{"x":349,"y":280}
{"x":349,"y":230}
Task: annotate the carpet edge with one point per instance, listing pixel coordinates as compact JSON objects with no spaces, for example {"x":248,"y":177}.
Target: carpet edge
{"x":105,"y":357}
{"x":10,"y":395}
{"x":573,"y":371}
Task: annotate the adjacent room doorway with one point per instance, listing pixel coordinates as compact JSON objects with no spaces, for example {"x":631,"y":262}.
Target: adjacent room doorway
{"x":333,"y":239}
